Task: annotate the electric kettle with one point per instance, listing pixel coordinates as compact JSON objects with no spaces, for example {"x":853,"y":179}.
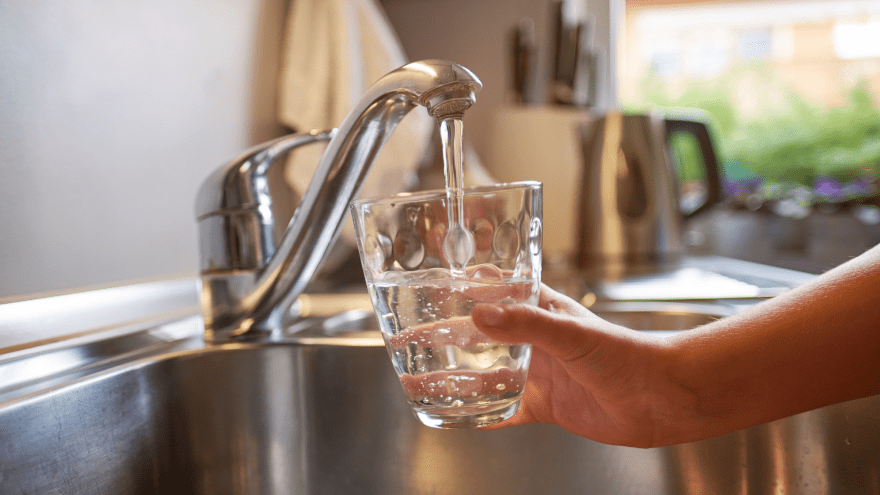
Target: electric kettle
{"x":630,"y":212}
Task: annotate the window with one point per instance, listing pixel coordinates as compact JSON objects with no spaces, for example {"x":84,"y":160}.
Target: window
{"x":793,"y":87}
{"x":755,"y":44}
{"x":853,"y":41}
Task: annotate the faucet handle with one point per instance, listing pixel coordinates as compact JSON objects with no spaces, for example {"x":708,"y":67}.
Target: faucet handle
{"x":234,"y":206}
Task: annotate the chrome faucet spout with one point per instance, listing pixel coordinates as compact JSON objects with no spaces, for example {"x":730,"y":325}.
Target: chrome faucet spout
{"x":253,"y":299}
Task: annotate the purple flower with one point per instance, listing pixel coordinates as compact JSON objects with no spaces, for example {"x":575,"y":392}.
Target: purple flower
{"x":741,"y":187}
{"x":827,"y":187}
{"x":858,"y":188}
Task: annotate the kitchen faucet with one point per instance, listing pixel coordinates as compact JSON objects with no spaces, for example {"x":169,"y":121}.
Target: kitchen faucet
{"x":252,"y":268}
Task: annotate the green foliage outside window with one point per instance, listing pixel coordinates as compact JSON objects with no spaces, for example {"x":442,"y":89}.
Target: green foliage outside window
{"x":789,"y":142}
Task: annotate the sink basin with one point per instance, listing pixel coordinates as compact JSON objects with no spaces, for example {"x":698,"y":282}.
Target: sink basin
{"x":322,"y":412}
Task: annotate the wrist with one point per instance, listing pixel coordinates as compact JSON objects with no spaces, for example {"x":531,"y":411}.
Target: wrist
{"x":685,"y":400}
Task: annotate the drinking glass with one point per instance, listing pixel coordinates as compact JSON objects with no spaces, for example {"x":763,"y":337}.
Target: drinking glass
{"x":452,"y":375}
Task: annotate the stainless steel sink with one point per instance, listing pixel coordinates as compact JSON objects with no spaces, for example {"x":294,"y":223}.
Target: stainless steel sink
{"x":148,"y":408}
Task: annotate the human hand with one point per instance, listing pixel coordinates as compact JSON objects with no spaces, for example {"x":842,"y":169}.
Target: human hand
{"x":595,"y":379}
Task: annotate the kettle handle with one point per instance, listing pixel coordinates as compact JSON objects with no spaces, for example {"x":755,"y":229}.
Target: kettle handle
{"x":700,"y":131}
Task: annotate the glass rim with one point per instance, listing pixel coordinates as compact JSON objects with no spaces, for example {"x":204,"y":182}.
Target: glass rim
{"x":435,"y":194}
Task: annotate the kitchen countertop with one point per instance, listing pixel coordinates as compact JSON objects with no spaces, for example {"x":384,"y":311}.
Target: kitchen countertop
{"x":813,"y":244}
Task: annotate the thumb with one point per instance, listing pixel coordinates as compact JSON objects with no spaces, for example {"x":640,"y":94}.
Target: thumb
{"x":560,"y":335}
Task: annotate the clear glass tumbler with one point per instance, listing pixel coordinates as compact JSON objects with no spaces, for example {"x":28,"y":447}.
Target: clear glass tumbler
{"x":452,"y":375}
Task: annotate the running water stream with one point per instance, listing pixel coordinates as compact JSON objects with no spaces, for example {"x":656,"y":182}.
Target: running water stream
{"x":459,"y":245}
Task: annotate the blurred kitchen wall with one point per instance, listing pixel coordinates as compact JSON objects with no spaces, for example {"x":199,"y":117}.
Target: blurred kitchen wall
{"x":111,"y":115}
{"x":475,"y":33}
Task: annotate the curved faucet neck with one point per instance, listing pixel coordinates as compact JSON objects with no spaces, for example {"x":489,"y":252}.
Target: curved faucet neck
{"x":446,"y":89}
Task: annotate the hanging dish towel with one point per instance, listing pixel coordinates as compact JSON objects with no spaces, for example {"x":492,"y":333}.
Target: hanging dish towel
{"x":334,"y":51}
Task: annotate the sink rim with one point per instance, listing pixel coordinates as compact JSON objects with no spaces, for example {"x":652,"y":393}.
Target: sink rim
{"x":167,"y":311}
{"x":24,"y":373}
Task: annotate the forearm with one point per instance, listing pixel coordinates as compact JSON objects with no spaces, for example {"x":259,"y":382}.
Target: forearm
{"x":816,"y":345}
